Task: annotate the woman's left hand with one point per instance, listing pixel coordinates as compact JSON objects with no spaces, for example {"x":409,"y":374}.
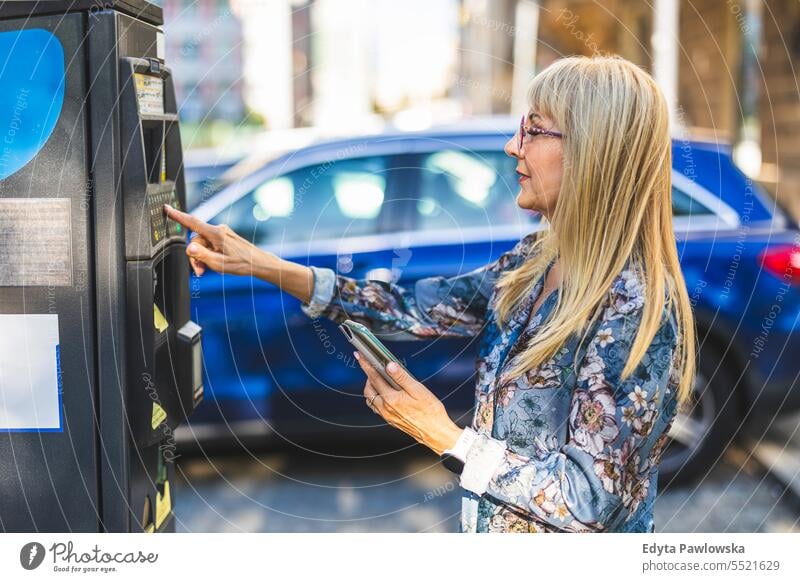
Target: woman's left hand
{"x":415,"y":410}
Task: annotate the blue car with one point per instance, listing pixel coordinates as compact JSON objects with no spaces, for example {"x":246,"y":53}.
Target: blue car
{"x":201,"y":169}
{"x":403,"y":206}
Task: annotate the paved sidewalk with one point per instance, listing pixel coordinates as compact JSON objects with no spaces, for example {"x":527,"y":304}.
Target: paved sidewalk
{"x":776,"y":446}
{"x":410,"y":492}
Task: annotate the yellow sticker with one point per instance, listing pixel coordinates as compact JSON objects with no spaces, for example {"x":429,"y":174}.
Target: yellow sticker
{"x":159,"y":416}
{"x":163,"y":176}
{"x":146,"y":517}
{"x":163,"y":505}
{"x":159,"y":321}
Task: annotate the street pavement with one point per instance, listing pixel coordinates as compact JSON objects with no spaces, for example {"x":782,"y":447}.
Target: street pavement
{"x":409,"y":491}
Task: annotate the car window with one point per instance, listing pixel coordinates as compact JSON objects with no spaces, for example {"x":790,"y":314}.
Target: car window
{"x":685,"y":205}
{"x":335,"y":199}
{"x":462,"y":189}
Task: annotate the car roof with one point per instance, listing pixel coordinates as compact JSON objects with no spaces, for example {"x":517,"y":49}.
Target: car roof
{"x":707,"y":163}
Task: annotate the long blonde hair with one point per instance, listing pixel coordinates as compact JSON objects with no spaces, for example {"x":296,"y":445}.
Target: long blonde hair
{"x":614,"y":204}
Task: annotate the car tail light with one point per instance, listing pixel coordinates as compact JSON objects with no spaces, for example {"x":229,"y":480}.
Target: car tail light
{"x":783,"y":262}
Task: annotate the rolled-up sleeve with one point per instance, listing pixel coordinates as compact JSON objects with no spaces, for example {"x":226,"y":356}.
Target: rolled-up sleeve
{"x":324,"y":281}
{"x":432,"y":307}
{"x":616,"y":432}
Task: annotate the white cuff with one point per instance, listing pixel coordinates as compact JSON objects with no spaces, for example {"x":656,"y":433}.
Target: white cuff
{"x":483,"y":458}
{"x":462,"y":445}
{"x":324,"y":282}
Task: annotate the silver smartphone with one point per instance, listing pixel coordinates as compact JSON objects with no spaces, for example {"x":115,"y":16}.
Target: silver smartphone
{"x":371,"y":348}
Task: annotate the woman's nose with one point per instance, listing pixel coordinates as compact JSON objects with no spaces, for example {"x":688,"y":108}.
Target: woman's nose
{"x":511,"y":148}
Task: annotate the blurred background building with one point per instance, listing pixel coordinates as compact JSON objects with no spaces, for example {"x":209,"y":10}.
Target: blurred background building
{"x":204,"y":40}
{"x":248,"y":66}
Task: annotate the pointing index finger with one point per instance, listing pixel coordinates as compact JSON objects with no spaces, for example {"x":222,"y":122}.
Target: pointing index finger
{"x":187,"y":220}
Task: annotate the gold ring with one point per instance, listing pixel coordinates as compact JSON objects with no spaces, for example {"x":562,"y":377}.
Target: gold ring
{"x":371,"y":400}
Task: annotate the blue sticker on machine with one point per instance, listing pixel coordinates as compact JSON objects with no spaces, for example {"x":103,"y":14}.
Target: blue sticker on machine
{"x":32,"y":80}
{"x":60,"y":388}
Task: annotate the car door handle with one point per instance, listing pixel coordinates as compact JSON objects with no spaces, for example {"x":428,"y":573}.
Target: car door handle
{"x":380,"y":274}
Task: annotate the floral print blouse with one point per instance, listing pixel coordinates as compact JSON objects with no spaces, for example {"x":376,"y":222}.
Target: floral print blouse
{"x":557,"y":449}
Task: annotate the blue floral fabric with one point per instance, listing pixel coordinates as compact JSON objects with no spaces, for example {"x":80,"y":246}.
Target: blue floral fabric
{"x":567,"y":446}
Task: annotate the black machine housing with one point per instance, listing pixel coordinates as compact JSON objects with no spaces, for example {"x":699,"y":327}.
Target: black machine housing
{"x":130,"y":354}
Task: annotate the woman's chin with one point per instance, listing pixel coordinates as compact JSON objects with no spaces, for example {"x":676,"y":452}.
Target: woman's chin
{"x":525,"y":201}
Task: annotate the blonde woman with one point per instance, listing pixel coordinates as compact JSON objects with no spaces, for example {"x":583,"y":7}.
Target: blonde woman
{"x":588,"y":342}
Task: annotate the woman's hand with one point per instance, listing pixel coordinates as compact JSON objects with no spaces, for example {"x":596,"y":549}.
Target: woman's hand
{"x":415,"y":410}
{"x":219,"y":247}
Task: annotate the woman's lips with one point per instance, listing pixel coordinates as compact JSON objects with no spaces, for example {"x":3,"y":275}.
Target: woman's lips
{"x":522,"y":177}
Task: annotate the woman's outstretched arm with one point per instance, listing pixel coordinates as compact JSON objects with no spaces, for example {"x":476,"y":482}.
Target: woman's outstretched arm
{"x":220,"y":249}
{"x":434,"y":306}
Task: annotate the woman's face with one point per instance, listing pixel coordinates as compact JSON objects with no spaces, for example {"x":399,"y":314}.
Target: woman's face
{"x":539,"y":165}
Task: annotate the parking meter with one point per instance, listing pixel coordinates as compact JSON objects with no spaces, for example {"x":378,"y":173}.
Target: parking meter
{"x":99,"y":358}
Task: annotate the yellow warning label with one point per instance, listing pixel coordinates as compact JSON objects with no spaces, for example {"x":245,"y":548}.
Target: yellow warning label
{"x":163,"y":505}
{"x":146,"y":516}
{"x":159,"y":321}
{"x":159,"y":416}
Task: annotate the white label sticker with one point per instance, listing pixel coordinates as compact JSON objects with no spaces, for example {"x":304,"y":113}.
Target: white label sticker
{"x":160,"y":52}
{"x":35,"y":242}
{"x":150,"y":93}
{"x":30,"y":373}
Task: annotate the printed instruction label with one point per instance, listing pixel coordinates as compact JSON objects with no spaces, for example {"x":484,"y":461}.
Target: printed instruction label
{"x":150,"y":94}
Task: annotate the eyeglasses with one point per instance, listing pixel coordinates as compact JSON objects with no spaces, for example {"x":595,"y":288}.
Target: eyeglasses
{"x":533,"y":131}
